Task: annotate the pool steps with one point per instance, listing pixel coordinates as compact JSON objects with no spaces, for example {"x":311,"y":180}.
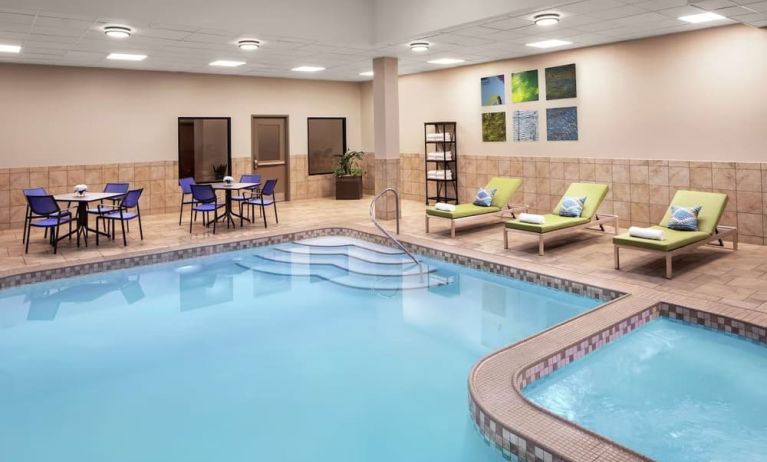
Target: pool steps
{"x":346,"y":264}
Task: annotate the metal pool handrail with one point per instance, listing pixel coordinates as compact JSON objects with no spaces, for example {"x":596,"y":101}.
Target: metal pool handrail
{"x":397,"y":216}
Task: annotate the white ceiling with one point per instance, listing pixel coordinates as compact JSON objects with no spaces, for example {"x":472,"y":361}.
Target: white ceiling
{"x":341,"y":35}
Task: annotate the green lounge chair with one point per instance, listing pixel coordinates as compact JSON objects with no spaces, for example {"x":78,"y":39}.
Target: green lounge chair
{"x":556,"y":225}
{"x":504,"y":188}
{"x":679,"y":242}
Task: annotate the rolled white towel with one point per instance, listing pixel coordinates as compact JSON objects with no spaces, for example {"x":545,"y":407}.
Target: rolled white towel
{"x":531,"y":218}
{"x":444,"y":207}
{"x":647,"y":233}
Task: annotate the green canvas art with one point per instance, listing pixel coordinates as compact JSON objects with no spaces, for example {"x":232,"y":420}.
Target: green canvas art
{"x":524,"y":86}
{"x":560,"y":82}
{"x":494,"y":126}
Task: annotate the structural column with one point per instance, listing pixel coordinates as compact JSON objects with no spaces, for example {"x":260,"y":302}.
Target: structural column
{"x":386,"y":132}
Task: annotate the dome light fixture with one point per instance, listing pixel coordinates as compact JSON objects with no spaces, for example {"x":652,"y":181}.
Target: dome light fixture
{"x":249,"y":44}
{"x":546,"y":19}
{"x":419,"y":46}
{"x":118,"y":32}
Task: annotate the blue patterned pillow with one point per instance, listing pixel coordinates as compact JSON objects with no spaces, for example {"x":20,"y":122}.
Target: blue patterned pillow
{"x":484,"y":197}
{"x":572,"y":206}
{"x":684,"y":218}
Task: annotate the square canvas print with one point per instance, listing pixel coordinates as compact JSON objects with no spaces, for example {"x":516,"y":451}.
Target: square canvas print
{"x":494,"y":126}
{"x":525,"y":125}
{"x":562,"y":124}
{"x":560,"y":82}
{"x":493,"y":89}
{"x":524,"y":86}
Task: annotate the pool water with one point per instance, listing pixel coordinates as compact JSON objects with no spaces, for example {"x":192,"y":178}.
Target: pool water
{"x":670,"y":390}
{"x":232,"y":358}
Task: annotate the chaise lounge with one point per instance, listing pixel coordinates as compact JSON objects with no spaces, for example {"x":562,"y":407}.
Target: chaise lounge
{"x":679,"y":242}
{"x":556,"y":225}
{"x":501,"y":204}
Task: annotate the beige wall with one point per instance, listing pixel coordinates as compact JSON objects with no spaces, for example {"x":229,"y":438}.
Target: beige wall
{"x":62,"y":115}
{"x":692,"y":96}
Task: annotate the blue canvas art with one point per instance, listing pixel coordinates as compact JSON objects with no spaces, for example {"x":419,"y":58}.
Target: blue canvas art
{"x":562,"y":124}
{"x":493,"y":90}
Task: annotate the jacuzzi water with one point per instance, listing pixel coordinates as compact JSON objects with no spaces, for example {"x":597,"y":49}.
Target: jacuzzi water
{"x":224,"y":359}
{"x":670,"y":390}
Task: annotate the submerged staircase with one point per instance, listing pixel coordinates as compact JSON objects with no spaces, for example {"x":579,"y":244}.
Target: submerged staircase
{"x":346,"y":262}
{"x":351,"y":263}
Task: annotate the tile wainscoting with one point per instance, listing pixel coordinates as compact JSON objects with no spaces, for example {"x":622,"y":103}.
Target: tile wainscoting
{"x":159,"y":180}
{"x":640,"y":190}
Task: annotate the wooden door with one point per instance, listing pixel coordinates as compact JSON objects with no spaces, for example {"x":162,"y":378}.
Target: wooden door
{"x":269,"y":152}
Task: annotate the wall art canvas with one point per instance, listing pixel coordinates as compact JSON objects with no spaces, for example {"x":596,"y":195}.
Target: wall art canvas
{"x":562,"y":124}
{"x":524,"y":86}
{"x":494,"y":126}
{"x":561,"y":82}
{"x":525,"y":125}
{"x":493,"y":90}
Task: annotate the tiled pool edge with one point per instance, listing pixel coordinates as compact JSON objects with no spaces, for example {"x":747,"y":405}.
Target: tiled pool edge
{"x":124,"y":262}
{"x":514,"y":442}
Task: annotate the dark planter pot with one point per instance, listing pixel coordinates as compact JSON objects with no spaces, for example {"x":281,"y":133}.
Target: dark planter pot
{"x":348,"y":187}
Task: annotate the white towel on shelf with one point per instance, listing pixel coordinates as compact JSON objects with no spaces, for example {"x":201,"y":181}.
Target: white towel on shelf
{"x":531,"y":218}
{"x":647,"y":233}
{"x":444,"y":207}
{"x":437,"y":155}
{"x":439,"y":174}
{"x":447,"y":136}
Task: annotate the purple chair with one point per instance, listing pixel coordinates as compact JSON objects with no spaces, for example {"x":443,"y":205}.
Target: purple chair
{"x":186,"y":190}
{"x":123,"y":214}
{"x":118,"y":188}
{"x":205,"y":201}
{"x":248,"y":193}
{"x":45,"y":213}
{"x":28,"y":216}
{"x":262,"y":201}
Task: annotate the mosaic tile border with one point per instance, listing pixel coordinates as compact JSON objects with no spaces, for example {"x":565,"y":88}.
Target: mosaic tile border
{"x":599,"y":293}
{"x":511,"y":443}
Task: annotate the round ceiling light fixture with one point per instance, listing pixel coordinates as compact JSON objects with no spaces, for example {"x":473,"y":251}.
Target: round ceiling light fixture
{"x":546,"y":19}
{"x":249,"y":44}
{"x":419,"y":46}
{"x":119,"y":32}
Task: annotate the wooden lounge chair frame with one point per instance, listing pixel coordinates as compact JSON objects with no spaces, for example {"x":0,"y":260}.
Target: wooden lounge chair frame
{"x":600,"y":220}
{"x":505,"y":213}
{"x":717,"y":239}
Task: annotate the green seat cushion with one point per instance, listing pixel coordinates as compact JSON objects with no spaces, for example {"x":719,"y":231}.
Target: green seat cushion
{"x":594,"y":192}
{"x":674,"y":239}
{"x":505,"y":187}
{"x":551,"y":222}
{"x":463,"y":211}
{"x":713,"y":205}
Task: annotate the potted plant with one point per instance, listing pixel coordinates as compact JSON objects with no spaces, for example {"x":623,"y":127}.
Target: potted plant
{"x":349,"y":175}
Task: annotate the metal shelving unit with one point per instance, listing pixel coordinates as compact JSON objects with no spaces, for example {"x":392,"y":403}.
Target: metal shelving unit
{"x":440,"y":137}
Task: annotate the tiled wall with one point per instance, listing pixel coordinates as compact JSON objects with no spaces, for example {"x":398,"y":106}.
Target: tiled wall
{"x":159,"y":180}
{"x":640,"y":190}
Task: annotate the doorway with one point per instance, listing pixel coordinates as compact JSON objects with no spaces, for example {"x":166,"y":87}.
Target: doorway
{"x":270,"y":153}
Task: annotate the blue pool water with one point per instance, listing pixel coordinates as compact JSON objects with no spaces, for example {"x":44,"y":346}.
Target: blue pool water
{"x":670,"y":390}
{"x":226,"y":359}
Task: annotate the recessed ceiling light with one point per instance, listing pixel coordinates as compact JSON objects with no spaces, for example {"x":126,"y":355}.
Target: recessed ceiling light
{"x":367,"y":74}
{"x":10,"y":49}
{"x":419,"y":46}
{"x":308,"y":69}
{"x":702,"y":17}
{"x":119,"y":32}
{"x":546,"y":19}
{"x":227,"y":63}
{"x":249,"y":44}
{"x":446,"y":61}
{"x":549,"y":43}
{"x":126,"y":57}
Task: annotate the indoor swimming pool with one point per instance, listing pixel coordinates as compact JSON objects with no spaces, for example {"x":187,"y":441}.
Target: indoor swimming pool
{"x":322,"y":350}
